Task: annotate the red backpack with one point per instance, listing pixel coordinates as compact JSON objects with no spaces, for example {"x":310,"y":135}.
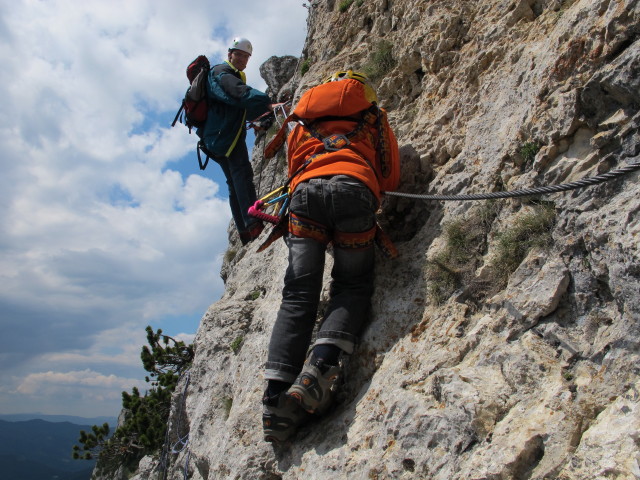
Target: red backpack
{"x":194,"y":108}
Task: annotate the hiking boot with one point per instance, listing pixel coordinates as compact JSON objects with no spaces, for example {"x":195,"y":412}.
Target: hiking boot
{"x":254,"y":232}
{"x":281,"y":417}
{"x":313,"y":390}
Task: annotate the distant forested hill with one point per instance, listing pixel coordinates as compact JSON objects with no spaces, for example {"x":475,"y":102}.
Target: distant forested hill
{"x":40,"y":450}
{"x":23,"y":417}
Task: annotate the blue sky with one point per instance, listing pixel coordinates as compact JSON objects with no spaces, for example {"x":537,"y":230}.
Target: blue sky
{"x":107,"y":225}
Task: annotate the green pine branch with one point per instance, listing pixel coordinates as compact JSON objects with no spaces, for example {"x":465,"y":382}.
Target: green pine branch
{"x":145,"y":416}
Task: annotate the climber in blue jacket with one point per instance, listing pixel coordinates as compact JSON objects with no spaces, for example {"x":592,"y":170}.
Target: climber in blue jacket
{"x":232,"y":102}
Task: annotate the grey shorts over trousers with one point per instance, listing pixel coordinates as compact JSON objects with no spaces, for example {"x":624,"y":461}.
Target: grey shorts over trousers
{"x":338,"y":204}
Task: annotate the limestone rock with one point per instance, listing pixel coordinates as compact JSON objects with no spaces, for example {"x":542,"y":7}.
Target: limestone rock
{"x":610,"y":447}
{"x":277,"y":71}
{"x":537,"y":381}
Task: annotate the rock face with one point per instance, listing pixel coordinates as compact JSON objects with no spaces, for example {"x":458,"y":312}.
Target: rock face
{"x":277,"y":71}
{"x":483,"y":359}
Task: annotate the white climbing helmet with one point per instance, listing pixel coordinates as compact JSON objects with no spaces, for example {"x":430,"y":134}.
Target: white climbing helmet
{"x":241,"y":43}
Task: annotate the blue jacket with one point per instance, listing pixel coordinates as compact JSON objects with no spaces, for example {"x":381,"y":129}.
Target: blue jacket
{"x":232,"y":102}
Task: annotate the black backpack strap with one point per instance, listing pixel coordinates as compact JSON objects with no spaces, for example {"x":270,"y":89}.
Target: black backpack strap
{"x":175,"y":120}
{"x":207,"y":153}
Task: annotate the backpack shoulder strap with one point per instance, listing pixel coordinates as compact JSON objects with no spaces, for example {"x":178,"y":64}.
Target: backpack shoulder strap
{"x":278,"y":140}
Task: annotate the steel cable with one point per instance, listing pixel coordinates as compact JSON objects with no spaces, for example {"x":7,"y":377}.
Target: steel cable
{"x":604,"y":177}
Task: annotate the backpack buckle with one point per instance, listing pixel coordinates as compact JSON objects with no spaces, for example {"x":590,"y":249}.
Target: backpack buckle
{"x":335,"y":142}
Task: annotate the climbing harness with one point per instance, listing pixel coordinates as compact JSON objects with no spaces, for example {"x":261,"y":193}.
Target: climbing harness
{"x":604,"y":177}
{"x":278,"y":199}
{"x":332,"y":101}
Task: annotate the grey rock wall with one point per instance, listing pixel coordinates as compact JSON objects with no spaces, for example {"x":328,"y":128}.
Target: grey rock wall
{"x":533,"y":376}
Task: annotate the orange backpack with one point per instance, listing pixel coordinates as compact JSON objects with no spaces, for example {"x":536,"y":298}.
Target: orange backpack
{"x":371,"y":140}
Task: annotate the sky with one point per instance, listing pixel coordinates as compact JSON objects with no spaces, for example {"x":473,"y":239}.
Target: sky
{"x":106,"y":223}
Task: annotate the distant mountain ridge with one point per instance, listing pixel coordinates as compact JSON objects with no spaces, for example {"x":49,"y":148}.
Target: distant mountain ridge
{"x":41,"y":450}
{"x":23,"y":417}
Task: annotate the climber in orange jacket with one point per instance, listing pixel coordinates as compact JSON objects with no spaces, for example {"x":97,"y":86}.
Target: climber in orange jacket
{"x":342,"y":156}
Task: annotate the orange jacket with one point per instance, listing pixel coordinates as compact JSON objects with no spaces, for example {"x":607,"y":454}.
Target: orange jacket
{"x":320,"y":106}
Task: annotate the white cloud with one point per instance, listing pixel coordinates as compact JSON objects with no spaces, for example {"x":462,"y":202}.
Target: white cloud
{"x":86,"y":390}
{"x":187,"y":338}
{"x":51,"y":383}
{"x":104,"y":228}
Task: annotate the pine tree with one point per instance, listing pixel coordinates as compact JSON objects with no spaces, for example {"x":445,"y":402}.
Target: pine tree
{"x":145,"y":416}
